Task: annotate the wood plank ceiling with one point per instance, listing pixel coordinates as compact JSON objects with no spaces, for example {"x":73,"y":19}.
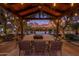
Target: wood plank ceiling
{"x":23,"y":10}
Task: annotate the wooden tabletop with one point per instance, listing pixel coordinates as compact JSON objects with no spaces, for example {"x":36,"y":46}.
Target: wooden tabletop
{"x":45,"y":37}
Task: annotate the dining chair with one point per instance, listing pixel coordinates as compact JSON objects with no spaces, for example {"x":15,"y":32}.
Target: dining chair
{"x":40,"y":48}
{"x":25,"y":47}
{"x":55,"y":48}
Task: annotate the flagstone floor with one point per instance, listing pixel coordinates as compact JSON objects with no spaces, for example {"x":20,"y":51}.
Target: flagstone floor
{"x":11,"y":49}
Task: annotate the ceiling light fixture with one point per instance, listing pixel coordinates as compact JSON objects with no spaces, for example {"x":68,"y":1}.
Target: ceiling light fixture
{"x":22,"y":3}
{"x":5,"y":3}
{"x":72,"y":4}
{"x":54,"y":4}
{"x":39,"y":7}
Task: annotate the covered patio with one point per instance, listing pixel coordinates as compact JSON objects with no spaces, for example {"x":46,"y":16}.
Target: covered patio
{"x":39,"y":29}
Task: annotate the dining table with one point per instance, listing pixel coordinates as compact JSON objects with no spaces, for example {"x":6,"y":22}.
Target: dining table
{"x":45,"y":38}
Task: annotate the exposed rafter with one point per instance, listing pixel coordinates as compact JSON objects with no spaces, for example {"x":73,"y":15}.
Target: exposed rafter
{"x":26,"y":8}
{"x":23,"y":10}
{"x":28,"y":11}
{"x":43,"y":8}
{"x":50,"y":11}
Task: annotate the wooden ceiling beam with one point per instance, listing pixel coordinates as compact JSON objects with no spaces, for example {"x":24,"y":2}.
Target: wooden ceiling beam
{"x":19,"y":6}
{"x":39,"y":18}
{"x":50,"y":11}
{"x":42,"y":8}
{"x":28,"y":11}
{"x":8,"y":9}
{"x":26,"y":8}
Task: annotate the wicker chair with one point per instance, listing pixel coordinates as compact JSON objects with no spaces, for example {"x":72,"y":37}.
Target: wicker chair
{"x":26,"y":47}
{"x":55,"y":47}
{"x":40,"y":48}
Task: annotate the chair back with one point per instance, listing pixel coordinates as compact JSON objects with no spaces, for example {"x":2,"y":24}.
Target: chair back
{"x":56,"y":45}
{"x":24,"y":45}
{"x":39,"y":45}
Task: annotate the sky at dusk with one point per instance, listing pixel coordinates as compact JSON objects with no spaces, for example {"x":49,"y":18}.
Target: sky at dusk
{"x":39,"y":21}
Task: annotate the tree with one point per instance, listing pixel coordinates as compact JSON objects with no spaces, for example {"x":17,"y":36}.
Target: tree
{"x":75,"y":26}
